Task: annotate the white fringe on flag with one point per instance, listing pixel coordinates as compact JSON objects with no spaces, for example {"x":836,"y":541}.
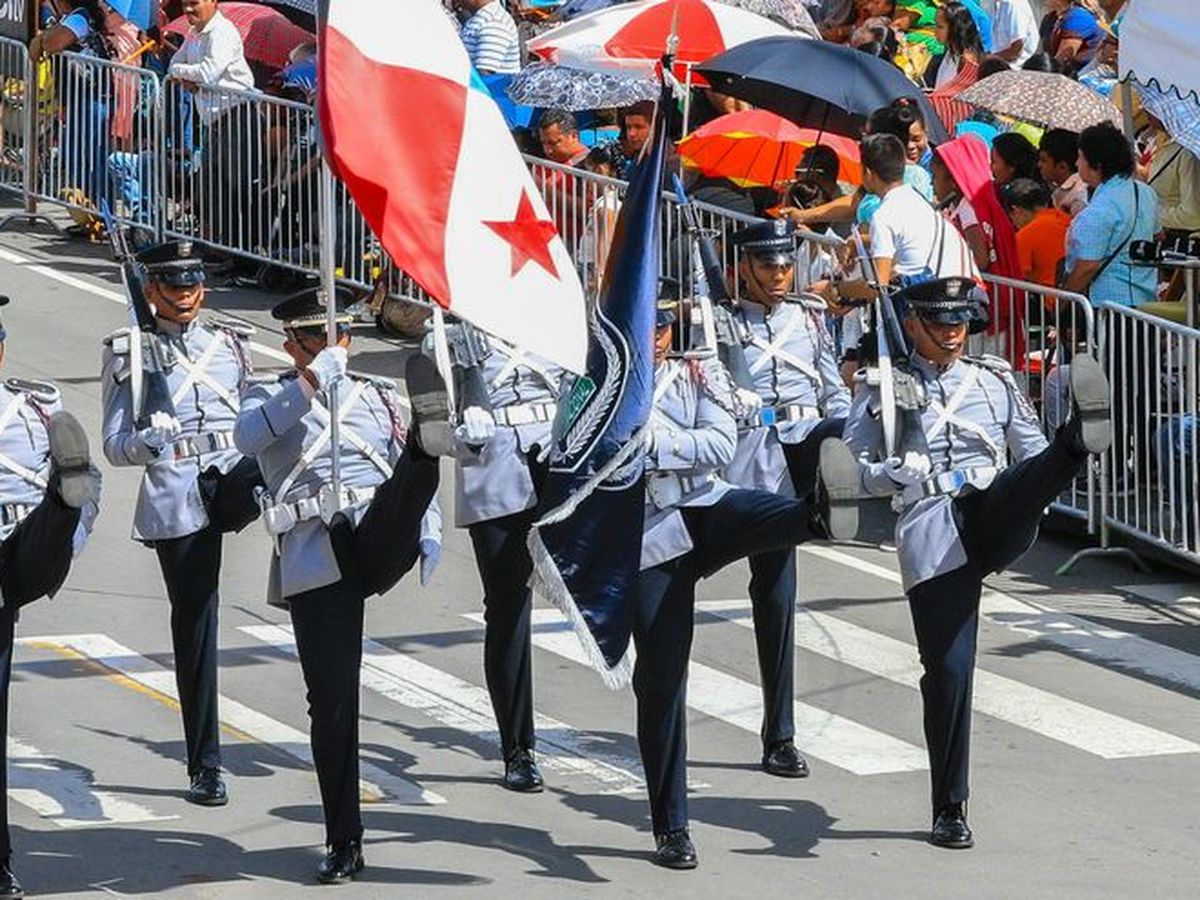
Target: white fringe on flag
{"x":547,"y":581}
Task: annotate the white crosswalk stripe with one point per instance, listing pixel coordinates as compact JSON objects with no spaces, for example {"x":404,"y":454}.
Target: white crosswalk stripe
{"x":464,"y":706}
{"x":377,"y":784}
{"x":1071,"y":633}
{"x":63,"y":792}
{"x":824,"y":735}
{"x":1059,"y":718}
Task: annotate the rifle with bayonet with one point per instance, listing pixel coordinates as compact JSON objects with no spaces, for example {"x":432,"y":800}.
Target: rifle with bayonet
{"x":901,"y":393}
{"x":149,"y":359}
{"x":708,"y":276}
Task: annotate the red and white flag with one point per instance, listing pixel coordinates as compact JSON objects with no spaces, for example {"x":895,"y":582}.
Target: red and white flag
{"x":426,"y":154}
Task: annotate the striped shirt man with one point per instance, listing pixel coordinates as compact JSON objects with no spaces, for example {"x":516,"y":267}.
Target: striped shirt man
{"x":490,"y":36}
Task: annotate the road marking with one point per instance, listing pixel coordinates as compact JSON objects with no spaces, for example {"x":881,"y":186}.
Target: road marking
{"x":1078,"y":636}
{"x":820,"y":733}
{"x":64,"y":793}
{"x":466,"y":707}
{"x":378,"y":786}
{"x":1077,"y":724}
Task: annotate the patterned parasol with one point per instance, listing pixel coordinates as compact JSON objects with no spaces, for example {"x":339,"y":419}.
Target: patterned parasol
{"x":549,"y":86}
{"x":1041,"y":98}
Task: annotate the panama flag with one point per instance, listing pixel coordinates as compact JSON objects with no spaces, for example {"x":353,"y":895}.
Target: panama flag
{"x":412,"y":132}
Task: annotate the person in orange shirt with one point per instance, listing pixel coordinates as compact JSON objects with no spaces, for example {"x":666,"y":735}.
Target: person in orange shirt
{"x":1041,"y":230}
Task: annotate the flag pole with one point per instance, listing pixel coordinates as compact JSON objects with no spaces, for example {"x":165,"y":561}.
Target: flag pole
{"x":329,"y":291}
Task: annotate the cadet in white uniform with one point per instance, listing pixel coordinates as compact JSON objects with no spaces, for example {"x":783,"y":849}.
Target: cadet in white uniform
{"x":790,"y":355}
{"x":196,"y":486}
{"x":335,"y":549}
{"x":49,"y":498}
{"x":965,"y":511}
{"x":496,"y":498}
{"x":695,"y":524}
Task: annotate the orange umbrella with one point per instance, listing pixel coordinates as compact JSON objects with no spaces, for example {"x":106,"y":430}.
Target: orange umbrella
{"x":756,"y":148}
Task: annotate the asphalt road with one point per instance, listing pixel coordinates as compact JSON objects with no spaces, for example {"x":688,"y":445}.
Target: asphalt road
{"x":1086,"y":748}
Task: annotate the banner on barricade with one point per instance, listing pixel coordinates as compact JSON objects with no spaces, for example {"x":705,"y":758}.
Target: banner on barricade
{"x":18,"y":19}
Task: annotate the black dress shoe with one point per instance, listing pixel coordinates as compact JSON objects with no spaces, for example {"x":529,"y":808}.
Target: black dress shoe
{"x":207,"y":789}
{"x":1091,"y":421}
{"x":950,"y":828}
{"x":783,"y":759}
{"x":9,"y":886}
{"x":521,"y":772}
{"x":341,"y":863}
{"x":675,"y":850}
{"x":836,"y":491}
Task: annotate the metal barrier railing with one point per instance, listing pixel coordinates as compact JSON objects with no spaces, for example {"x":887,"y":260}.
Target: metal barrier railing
{"x":97,"y":137}
{"x":16,"y":87}
{"x":1150,"y":486}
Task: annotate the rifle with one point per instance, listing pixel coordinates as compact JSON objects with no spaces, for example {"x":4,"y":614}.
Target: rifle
{"x":148,"y":359}
{"x":901,"y":394}
{"x":716,"y":305}
{"x":468,"y":349}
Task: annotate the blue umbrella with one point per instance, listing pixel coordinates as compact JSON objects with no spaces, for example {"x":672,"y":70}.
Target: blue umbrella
{"x":141,"y":13}
{"x":815,"y":83}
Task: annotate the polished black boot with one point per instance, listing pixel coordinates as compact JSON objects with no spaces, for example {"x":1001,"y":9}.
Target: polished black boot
{"x":675,"y":850}
{"x":521,"y":772}
{"x":1090,"y":427}
{"x":207,"y":789}
{"x":341,"y":863}
{"x":9,"y":886}
{"x":783,"y":759}
{"x":950,"y":828}
{"x":839,"y":479}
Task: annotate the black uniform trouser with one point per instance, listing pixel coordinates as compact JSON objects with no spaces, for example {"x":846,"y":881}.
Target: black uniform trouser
{"x":737,"y":524}
{"x":191,"y":568}
{"x":997,"y":526}
{"x":502,"y":557}
{"x":773,"y":597}
{"x":34,"y":562}
{"x":328,"y":624}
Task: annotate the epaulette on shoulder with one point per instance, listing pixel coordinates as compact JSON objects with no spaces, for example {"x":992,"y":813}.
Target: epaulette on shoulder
{"x":379,"y":381}
{"x":44,"y":392}
{"x":810,"y":304}
{"x":118,"y":341}
{"x":996,"y":364}
{"x":238,"y":329}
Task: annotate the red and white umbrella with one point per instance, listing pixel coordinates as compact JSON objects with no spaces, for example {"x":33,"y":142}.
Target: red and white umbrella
{"x":633,"y":36}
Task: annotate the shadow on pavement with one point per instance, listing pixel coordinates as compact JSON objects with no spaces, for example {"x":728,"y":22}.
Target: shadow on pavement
{"x":549,"y":858}
{"x":131,"y":861}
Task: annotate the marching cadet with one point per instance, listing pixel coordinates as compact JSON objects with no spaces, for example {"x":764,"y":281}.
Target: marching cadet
{"x":49,"y":496}
{"x":695,"y":524}
{"x":791,"y":358}
{"x":195,"y":486}
{"x":965,"y":511}
{"x":333,"y":549}
{"x":496,"y":498}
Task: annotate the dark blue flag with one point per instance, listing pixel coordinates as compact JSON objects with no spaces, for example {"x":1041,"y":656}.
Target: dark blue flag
{"x":587,"y":545}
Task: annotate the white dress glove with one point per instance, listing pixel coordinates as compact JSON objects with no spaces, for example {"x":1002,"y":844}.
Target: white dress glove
{"x":748,"y":402}
{"x":912,"y":469}
{"x":476,"y":428}
{"x":328,"y":366}
{"x":162,"y":430}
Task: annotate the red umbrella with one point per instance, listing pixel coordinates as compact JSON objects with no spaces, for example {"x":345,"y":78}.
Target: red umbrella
{"x":633,"y":36}
{"x":756,"y":148}
{"x":267,"y":34}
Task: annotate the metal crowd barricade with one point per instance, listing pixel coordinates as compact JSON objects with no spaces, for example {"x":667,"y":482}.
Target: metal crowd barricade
{"x":240,"y":173}
{"x":1149,"y":490}
{"x":96,"y":138}
{"x":18,"y":82}
{"x":1039,"y":330}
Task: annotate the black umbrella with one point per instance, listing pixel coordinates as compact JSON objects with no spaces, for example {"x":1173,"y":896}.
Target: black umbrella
{"x":815,"y":83}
